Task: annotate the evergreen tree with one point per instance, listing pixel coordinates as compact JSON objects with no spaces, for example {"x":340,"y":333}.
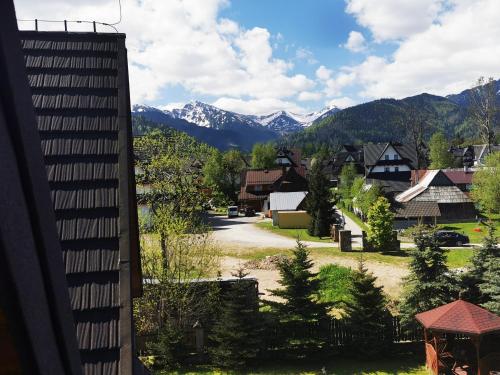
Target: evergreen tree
{"x":301,"y":307}
{"x":429,"y":283}
{"x":319,"y":202}
{"x":346,"y":181}
{"x":236,"y":334}
{"x":482,"y":261}
{"x":380,"y":220}
{"x":491,"y":286}
{"x":300,"y":287}
{"x":368,"y":316}
{"x":438,"y":152}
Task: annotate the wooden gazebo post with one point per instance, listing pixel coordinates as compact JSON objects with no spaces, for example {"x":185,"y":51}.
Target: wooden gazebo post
{"x":476,"y":340}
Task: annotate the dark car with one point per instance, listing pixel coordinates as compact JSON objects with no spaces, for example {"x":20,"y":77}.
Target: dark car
{"x":450,"y":238}
{"x":249,"y":212}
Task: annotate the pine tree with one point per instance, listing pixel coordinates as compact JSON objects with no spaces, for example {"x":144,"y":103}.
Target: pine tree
{"x":490,"y":287}
{"x":429,"y":283}
{"x":380,"y":219}
{"x":236,"y":333}
{"x":484,"y":258}
{"x":300,"y":287}
{"x":318,"y":202}
{"x":301,"y":307}
{"x":369,"y":318}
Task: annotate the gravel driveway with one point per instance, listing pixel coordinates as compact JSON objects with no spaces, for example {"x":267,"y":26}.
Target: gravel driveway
{"x":241,"y":232}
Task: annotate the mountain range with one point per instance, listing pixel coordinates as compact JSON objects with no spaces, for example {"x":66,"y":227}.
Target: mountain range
{"x":225,"y":129}
{"x":376,"y":121}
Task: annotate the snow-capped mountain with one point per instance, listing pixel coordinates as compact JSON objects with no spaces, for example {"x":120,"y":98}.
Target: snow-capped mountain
{"x":207,"y":115}
{"x":241,"y":129}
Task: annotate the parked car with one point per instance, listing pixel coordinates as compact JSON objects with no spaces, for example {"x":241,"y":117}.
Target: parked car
{"x":450,"y":238}
{"x":232,"y":211}
{"x":249,"y":211}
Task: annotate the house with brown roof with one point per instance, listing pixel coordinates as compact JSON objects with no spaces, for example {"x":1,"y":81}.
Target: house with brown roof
{"x":435,"y":198}
{"x":257,"y":184}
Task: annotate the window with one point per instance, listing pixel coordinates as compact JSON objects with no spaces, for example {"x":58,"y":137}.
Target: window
{"x":396,"y":156}
{"x":396,"y":169}
{"x":387,"y":169}
{"x":257,"y":188}
{"x":386,"y":157}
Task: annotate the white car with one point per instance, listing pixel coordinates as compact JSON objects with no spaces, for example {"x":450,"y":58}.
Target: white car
{"x":232,"y":211}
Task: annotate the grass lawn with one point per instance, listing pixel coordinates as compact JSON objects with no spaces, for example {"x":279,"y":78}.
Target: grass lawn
{"x":334,"y":283}
{"x":338,"y":366}
{"x":467,"y":228}
{"x":457,"y":257}
{"x":293,"y":233}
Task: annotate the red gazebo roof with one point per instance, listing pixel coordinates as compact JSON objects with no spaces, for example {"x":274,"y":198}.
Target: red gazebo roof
{"x":460,"y":317}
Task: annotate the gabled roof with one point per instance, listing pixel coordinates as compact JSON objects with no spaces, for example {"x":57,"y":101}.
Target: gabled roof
{"x":416,"y":209}
{"x":460,"y":317}
{"x":434,"y":187}
{"x":459,"y":176}
{"x":80,"y":92}
{"x":373,"y":153}
{"x":37,"y":334}
{"x":262,"y":176}
{"x":286,"y":201}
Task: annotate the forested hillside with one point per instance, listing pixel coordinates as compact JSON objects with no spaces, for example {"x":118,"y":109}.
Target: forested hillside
{"x":381,"y":121}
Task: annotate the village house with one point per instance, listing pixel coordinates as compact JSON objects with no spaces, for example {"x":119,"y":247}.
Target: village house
{"x":348,"y":154}
{"x":389,"y":166}
{"x":257,"y":184}
{"x":434,"y":199}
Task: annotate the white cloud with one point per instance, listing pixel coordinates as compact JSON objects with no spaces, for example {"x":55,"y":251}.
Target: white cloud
{"x":305,"y":96}
{"x":262,"y":106}
{"x":445,"y":58}
{"x":183,"y":42}
{"x":355,"y":42}
{"x":305,"y":54}
{"x":335,"y":85}
{"x":395,"y":19}
{"x":342,"y":102}
{"x":323,"y":73}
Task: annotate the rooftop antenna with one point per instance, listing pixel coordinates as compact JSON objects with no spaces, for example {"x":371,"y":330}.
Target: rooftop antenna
{"x":94,"y":23}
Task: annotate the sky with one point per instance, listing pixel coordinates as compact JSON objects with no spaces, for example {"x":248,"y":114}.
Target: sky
{"x":261,"y":56}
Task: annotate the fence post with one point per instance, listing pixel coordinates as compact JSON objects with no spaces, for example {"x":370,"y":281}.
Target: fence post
{"x":345,"y":240}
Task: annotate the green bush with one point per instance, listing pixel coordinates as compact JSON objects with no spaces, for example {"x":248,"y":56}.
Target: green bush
{"x":334,"y":283}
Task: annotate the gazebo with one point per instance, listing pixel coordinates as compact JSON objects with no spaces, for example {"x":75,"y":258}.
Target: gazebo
{"x":461,"y":338}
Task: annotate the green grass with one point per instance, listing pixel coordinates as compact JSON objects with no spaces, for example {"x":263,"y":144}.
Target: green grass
{"x":356,"y":219}
{"x":292,"y":233}
{"x":467,"y":228}
{"x":338,"y":366}
{"x":458,"y":258}
{"x":334,"y":283}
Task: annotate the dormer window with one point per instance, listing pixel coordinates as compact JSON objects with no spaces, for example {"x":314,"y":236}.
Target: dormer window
{"x":396,"y":156}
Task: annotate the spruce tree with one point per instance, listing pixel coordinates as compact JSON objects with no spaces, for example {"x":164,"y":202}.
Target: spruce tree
{"x":380,"y":225}
{"x":429,"y":283}
{"x":490,"y":287}
{"x":318,"y":202}
{"x":236,"y":333}
{"x":369,"y":319}
{"x":300,"y":291}
{"x":483,"y":260}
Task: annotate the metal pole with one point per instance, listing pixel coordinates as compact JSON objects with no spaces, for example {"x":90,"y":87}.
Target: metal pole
{"x":65,"y":26}
{"x":94,"y":26}
{"x":36,"y":24}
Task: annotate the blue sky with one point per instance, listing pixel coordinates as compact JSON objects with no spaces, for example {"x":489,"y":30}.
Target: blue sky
{"x":260,"y":56}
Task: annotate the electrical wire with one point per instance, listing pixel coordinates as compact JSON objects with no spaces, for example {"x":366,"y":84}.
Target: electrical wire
{"x":112,"y":25}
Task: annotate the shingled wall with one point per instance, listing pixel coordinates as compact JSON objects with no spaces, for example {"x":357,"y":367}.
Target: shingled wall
{"x":79,"y":85}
